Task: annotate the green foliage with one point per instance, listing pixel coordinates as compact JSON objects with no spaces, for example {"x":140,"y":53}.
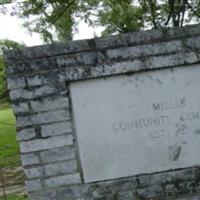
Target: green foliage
{"x":56,"y":19}
{"x":14,"y":197}
{"x":3,"y":2}
{"x":52,"y":19}
{"x":119,"y":16}
{"x":162,"y":13}
{"x":9,"y":149}
{"x":4,"y":46}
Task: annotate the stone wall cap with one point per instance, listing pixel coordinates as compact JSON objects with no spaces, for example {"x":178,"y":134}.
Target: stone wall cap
{"x":120,"y":40}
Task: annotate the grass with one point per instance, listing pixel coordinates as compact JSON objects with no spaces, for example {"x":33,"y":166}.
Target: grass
{"x":14,"y":197}
{"x":9,"y":148}
{"x":9,"y":152}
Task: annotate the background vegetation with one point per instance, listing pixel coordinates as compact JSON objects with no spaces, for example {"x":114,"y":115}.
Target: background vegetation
{"x":10,"y":175}
{"x":58,"y":19}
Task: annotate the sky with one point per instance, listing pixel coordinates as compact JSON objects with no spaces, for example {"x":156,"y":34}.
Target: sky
{"x":11,"y":28}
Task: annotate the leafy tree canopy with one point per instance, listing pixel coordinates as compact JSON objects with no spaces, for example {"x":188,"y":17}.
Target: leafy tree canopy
{"x":3,"y":2}
{"x":4,"y":46}
{"x":57,"y":19}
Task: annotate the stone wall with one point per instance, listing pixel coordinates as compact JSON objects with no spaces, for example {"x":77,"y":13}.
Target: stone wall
{"x":38,"y":79}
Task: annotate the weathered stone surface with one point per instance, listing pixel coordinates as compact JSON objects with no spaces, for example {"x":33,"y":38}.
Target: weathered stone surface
{"x":48,"y":50}
{"x":171,"y":190}
{"x":121,"y":189}
{"x":33,"y":185}
{"x":155,"y":125}
{"x":56,"y":128}
{"x":145,"y":50}
{"x":35,"y":81}
{"x":38,"y":80}
{"x":193,"y":43}
{"x":23,"y":94}
{"x":147,"y":193}
{"x":57,"y":154}
{"x":29,"y":159}
{"x":171,"y":60}
{"x":184,"y":175}
{"x":26,"y":134}
{"x":33,"y":172}
{"x":63,"y":180}
{"x":43,"y":118}
{"x":59,"y":168}
{"x":51,"y":103}
{"x":188,"y":197}
{"x":53,"y":169}
{"x":42,"y":144}
{"x":15,"y":83}
{"x":127,"y":196}
{"x":20,"y":108}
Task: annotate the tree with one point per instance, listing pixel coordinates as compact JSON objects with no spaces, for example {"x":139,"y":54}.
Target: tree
{"x":175,"y":13}
{"x":52,"y":19}
{"x":4,"y":46}
{"x":129,"y":15}
{"x":57,"y":19}
{"x":116,"y":16}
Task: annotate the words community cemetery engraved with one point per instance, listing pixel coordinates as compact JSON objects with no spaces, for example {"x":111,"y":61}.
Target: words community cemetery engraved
{"x":158,"y":121}
{"x":143,"y":123}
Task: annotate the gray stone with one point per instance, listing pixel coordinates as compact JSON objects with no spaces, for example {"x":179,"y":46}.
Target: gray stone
{"x":56,"y":128}
{"x":20,"y":108}
{"x":186,"y":197}
{"x":35,"y":93}
{"x":127,"y":195}
{"x":170,"y":190}
{"x":54,"y":169}
{"x":59,"y":168}
{"x":26,"y":134}
{"x":165,"y":178}
{"x":33,"y":172}
{"x":33,"y":185}
{"x":42,"y":144}
{"x":50,"y":104}
{"x":35,"y":81}
{"x":151,"y":192}
{"x":29,"y":159}
{"x":145,"y":50}
{"x":57,"y":154}
{"x":20,"y":93}
{"x":43,"y":118}
{"x":14,"y":83}
{"x":63,"y":180}
{"x":101,"y":154}
{"x":193,"y":43}
{"x":155,"y":125}
{"x":171,"y":60}
{"x":49,"y":50}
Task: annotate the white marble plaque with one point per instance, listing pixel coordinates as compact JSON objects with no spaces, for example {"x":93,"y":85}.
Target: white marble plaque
{"x":143,"y":123}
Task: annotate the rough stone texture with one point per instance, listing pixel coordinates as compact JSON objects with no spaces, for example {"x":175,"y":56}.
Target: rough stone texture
{"x":33,"y":185}
{"x":47,"y":143}
{"x":15,"y":83}
{"x":29,"y":159}
{"x":26,"y":134}
{"x":56,"y":129}
{"x":59,"y":168}
{"x":49,"y":104}
{"x":38,"y":80}
{"x":63,"y":180}
{"x":20,"y":108}
{"x":43,"y":118}
{"x":57,"y":154}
